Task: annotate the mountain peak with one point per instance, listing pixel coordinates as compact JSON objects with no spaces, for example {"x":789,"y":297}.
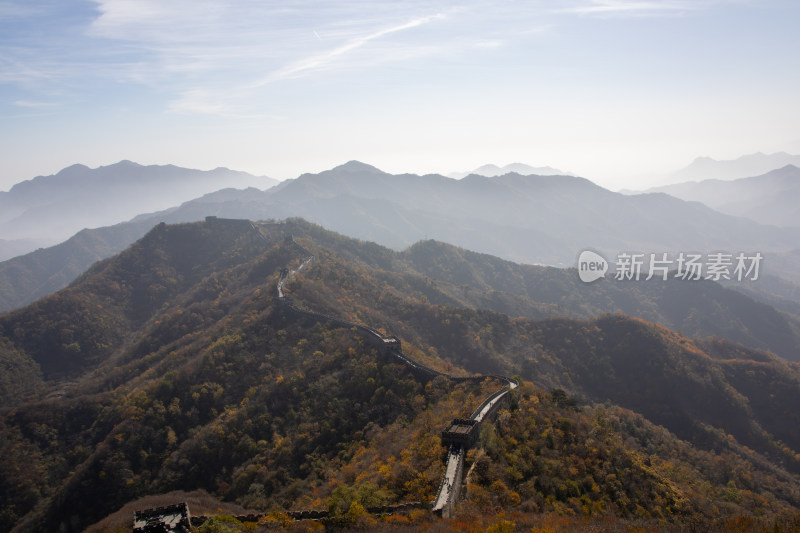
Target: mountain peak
{"x":84,"y":170}
{"x":488,"y":170}
{"x":126,"y":163}
{"x":72,"y":169}
{"x":790,"y":172}
{"x":357,"y":166}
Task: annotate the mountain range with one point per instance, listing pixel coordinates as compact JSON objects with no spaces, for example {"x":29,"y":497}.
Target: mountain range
{"x":49,"y":209}
{"x":172,"y":367}
{"x":771,"y":198}
{"x":530,"y":219}
{"x":706,"y":168}
{"x":527,"y":219}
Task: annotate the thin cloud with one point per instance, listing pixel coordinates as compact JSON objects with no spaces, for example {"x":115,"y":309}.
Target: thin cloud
{"x":322,"y":61}
{"x":196,"y":49}
{"x":201,"y":102}
{"x":217,"y":103}
{"x":630,"y":7}
{"x":216,"y":57}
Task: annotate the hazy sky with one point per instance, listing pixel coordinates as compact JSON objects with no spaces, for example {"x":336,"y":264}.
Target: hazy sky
{"x":607,"y":89}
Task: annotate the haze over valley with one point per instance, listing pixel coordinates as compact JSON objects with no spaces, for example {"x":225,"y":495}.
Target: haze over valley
{"x":49,"y":209}
{"x":530,"y":219}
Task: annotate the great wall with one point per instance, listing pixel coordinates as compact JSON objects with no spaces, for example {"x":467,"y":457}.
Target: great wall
{"x":459,"y":436}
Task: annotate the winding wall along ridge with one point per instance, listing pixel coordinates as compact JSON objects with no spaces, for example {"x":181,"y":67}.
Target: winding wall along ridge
{"x":450,"y":485}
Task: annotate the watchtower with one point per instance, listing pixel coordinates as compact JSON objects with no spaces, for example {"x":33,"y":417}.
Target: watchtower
{"x":461,"y":432}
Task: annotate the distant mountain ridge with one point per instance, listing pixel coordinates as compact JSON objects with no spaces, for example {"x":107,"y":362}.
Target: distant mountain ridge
{"x":706,"y":168}
{"x":15,"y":247}
{"x":27,"y":278}
{"x":771,"y":198}
{"x":56,"y":207}
{"x":526,"y":219}
{"x":491,"y":170}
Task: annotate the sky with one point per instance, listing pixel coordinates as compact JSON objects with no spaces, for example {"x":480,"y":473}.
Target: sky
{"x":618,"y":91}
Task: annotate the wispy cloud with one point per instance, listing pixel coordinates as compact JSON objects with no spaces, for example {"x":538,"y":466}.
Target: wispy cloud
{"x":218,"y":56}
{"x":631,"y":7}
{"x":194,"y":39}
{"x":638,"y":8}
{"x":324,"y":60}
{"x":215,"y":102}
{"x":211,"y":56}
{"x":228,"y":101}
{"x":201,"y":102}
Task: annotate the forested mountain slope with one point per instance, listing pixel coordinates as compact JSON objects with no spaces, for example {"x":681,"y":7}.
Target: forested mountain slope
{"x":172,"y":367}
{"x":695,"y":308}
